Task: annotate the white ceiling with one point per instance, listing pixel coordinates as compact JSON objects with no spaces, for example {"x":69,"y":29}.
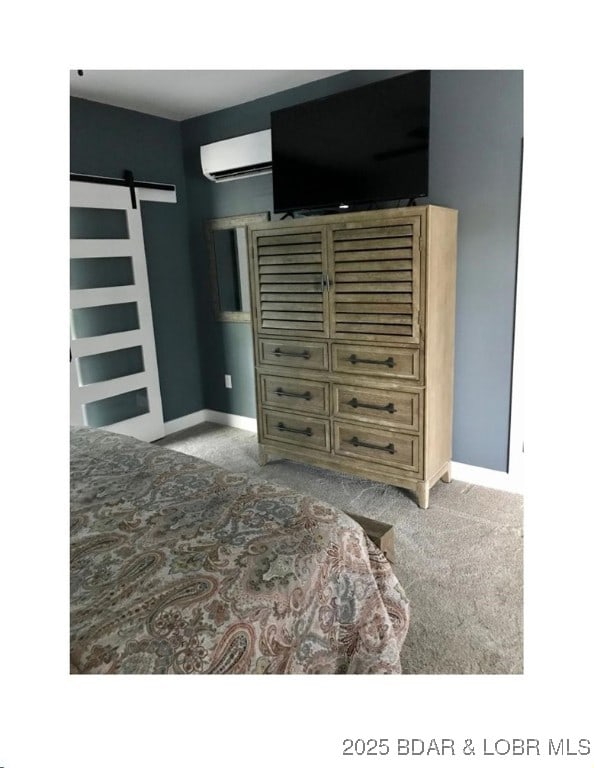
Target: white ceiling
{"x":181,"y":93}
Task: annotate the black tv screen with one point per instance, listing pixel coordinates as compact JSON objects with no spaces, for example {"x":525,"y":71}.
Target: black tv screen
{"x":366,"y":145}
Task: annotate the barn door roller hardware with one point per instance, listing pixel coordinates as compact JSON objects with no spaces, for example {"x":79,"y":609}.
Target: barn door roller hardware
{"x":128,"y":180}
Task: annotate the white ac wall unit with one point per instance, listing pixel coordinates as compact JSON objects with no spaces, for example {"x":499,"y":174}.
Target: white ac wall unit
{"x":237,"y":158}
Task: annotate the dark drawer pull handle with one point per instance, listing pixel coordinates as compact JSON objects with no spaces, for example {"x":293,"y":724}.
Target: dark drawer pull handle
{"x":389,"y":361}
{"x":281,"y":393}
{"x":354,"y":403}
{"x":360,"y":444}
{"x":279,"y":353}
{"x":307,"y":432}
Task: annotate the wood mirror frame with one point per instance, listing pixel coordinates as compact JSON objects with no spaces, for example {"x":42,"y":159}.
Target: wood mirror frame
{"x":238,"y":278}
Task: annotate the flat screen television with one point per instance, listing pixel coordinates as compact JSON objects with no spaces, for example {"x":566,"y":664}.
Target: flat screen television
{"x":366,"y":145}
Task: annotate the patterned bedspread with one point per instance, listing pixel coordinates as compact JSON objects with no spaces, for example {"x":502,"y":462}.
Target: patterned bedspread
{"x":179,"y":566}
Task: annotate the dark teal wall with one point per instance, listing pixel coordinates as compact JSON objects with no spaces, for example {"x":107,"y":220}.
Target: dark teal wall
{"x":476,"y":134}
{"x":106,"y":140}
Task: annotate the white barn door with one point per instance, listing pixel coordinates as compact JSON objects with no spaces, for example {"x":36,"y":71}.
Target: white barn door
{"x":114,"y":378}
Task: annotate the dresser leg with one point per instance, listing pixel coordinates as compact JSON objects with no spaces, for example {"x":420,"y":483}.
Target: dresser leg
{"x":262,"y":456}
{"x":447,"y":476}
{"x":423,"y":494}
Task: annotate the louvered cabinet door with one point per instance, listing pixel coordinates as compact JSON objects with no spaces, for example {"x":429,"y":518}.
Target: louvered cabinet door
{"x":289,"y":278}
{"x":375,"y":280}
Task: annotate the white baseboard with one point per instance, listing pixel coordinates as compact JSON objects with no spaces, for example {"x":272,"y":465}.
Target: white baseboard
{"x":490,"y":478}
{"x":218,"y":417}
{"x":231,"y":420}
{"x":184,"y":422}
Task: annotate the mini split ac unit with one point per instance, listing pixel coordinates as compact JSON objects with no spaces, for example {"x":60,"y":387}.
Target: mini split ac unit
{"x":237,"y":158}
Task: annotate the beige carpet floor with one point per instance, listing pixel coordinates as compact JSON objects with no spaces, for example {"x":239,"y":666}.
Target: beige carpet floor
{"x":460,"y":561}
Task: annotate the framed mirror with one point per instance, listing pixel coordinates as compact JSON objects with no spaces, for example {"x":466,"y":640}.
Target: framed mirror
{"x":227,"y":244}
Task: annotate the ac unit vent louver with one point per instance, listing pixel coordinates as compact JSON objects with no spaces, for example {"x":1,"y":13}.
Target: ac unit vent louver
{"x":237,"y":158}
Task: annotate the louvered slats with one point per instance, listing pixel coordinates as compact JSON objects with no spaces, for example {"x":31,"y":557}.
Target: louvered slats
{"x":372,"y":288}
{"x":290,"y":274}
{"x":373,"y":282}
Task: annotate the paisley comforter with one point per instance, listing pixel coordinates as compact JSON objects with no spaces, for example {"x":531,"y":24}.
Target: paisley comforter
{"x":179,"y":566}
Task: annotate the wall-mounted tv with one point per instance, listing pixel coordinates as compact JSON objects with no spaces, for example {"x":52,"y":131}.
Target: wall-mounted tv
{"x":366,"y":145}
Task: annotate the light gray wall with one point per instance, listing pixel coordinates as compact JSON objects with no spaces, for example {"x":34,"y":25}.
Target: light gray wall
{"x":475,"y":166}
{"x":476,"y":136}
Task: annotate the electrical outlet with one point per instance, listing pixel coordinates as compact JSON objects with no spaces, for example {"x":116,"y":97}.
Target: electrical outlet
{"x":228,"y":381}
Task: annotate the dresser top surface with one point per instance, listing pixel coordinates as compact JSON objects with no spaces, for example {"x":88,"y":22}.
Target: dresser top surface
{"x":354,"y":216}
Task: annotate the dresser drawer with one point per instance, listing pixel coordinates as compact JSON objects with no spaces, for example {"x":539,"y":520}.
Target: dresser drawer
{"x":396,"y":362}
{"x":381,"y":446}
{"x":393,"y":408}
{"x":294,"y":394}
{"x":295,"y":354}
{"x":296,"y":430}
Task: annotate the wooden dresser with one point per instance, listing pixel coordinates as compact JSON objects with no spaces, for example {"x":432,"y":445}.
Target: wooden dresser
{"x":353,"y":324}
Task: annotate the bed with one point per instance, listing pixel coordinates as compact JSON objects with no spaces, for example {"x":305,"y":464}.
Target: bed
{"x":180,"y":566}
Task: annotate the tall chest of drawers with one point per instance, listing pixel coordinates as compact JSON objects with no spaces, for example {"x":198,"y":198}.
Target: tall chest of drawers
{"x":353,"y":327}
